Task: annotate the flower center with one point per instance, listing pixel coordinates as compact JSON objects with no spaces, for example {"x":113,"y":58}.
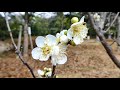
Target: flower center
{"x":46,"y":49}
{"x":78,"y":28}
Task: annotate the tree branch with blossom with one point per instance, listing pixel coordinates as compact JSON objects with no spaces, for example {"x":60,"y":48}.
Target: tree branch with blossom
{"x":54,"y":48}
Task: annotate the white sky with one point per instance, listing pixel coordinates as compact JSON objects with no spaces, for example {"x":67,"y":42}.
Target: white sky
{"x":43,"y":14}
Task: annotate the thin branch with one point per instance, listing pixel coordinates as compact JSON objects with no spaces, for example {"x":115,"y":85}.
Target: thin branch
{"x":53,"y":71}
{"x":103,"y":41}
{"x":115,"y":18}
{"x":16,"y":49}
{"x":112,"y":43}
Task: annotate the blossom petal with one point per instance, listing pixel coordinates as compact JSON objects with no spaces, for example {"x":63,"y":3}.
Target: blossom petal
{"x":63,"y":47}
{"x":59,"y":59}
{"x":55,"y":50}
{"x":40,"y":72}
{"x":51,"y":40}
{"x":82,"y":19}
{"x":70,"y":34}
{"x":78,"y":39}
{"x":64,"y":39}
{"x":58,"y":35}
{"x":83,"y":33}
{"x":40,"y":41}
{"x":62,"y":59}
{"x":36,"y":53}
{"x":54,"y":60}
{"x":44,"y":57}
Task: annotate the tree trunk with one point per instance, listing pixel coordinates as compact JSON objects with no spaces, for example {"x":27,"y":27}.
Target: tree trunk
{"x":97,"y":38}
{"x":118,"y":33}
{"x":25,"y":51}
{"x":19,"y":38}
{"x":29,"y":32}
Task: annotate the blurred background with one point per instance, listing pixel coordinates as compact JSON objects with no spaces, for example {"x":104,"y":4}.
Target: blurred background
{"x":83,"y":61}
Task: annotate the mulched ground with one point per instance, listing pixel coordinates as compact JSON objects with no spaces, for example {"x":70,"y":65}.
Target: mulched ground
{"x":88,"y":60}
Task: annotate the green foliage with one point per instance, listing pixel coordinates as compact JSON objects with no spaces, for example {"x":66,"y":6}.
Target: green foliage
{"x":3,"y":29}
{"x":43,"y":26}
{"x":40,"y":26}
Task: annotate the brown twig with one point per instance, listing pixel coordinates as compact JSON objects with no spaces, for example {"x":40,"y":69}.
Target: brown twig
{"x":103,"y":41}
{"x":53,"y":71}
{"x":16,"y":49}
{"x":112,"y":43}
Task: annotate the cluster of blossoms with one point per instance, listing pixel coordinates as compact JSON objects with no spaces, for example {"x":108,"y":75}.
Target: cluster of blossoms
{"x":45,"y":73}
{"x":55,"y":46}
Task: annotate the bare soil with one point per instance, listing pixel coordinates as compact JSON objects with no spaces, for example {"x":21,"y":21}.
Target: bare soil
{"x":88,"y":60}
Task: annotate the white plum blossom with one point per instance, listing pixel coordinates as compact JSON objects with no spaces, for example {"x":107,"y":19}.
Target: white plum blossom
{"x":47,"y":72}
{"x":96,"y":17}
{"x":44,"y":47}
{"x":55,"y":47}
{"x":78,"y":31}
{"x":48,"y":47}
{"x":62,"y":37}
{"x":60,"y":57}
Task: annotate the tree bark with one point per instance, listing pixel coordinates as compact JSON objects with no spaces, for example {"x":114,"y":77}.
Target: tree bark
{"x":29,"y":32}
{"x":118,"y":33}
{"x":19,"y":38}
{"x":25,"y":51}
{"x":97,"y":38}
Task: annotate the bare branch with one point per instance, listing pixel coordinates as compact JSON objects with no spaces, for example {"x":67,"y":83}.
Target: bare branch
{"x":16,"y":49}
{"x":7,"y":23}
{"x":103,"y":41}
{"x":53,"y":71}
{"x":112,"y":43}
{"x":104,"y":31}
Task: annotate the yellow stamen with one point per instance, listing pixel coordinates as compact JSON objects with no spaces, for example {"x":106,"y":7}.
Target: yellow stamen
{"x":46,"y":49}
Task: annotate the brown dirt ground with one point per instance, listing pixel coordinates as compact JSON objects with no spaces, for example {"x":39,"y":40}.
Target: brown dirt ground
{"x":88,"y":60}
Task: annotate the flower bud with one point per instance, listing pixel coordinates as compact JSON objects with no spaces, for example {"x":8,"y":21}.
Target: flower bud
{"x":74,"y":20}
{"x":45,"y":68}
{"x":65,"y":33}
{"x":49,"y":69}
